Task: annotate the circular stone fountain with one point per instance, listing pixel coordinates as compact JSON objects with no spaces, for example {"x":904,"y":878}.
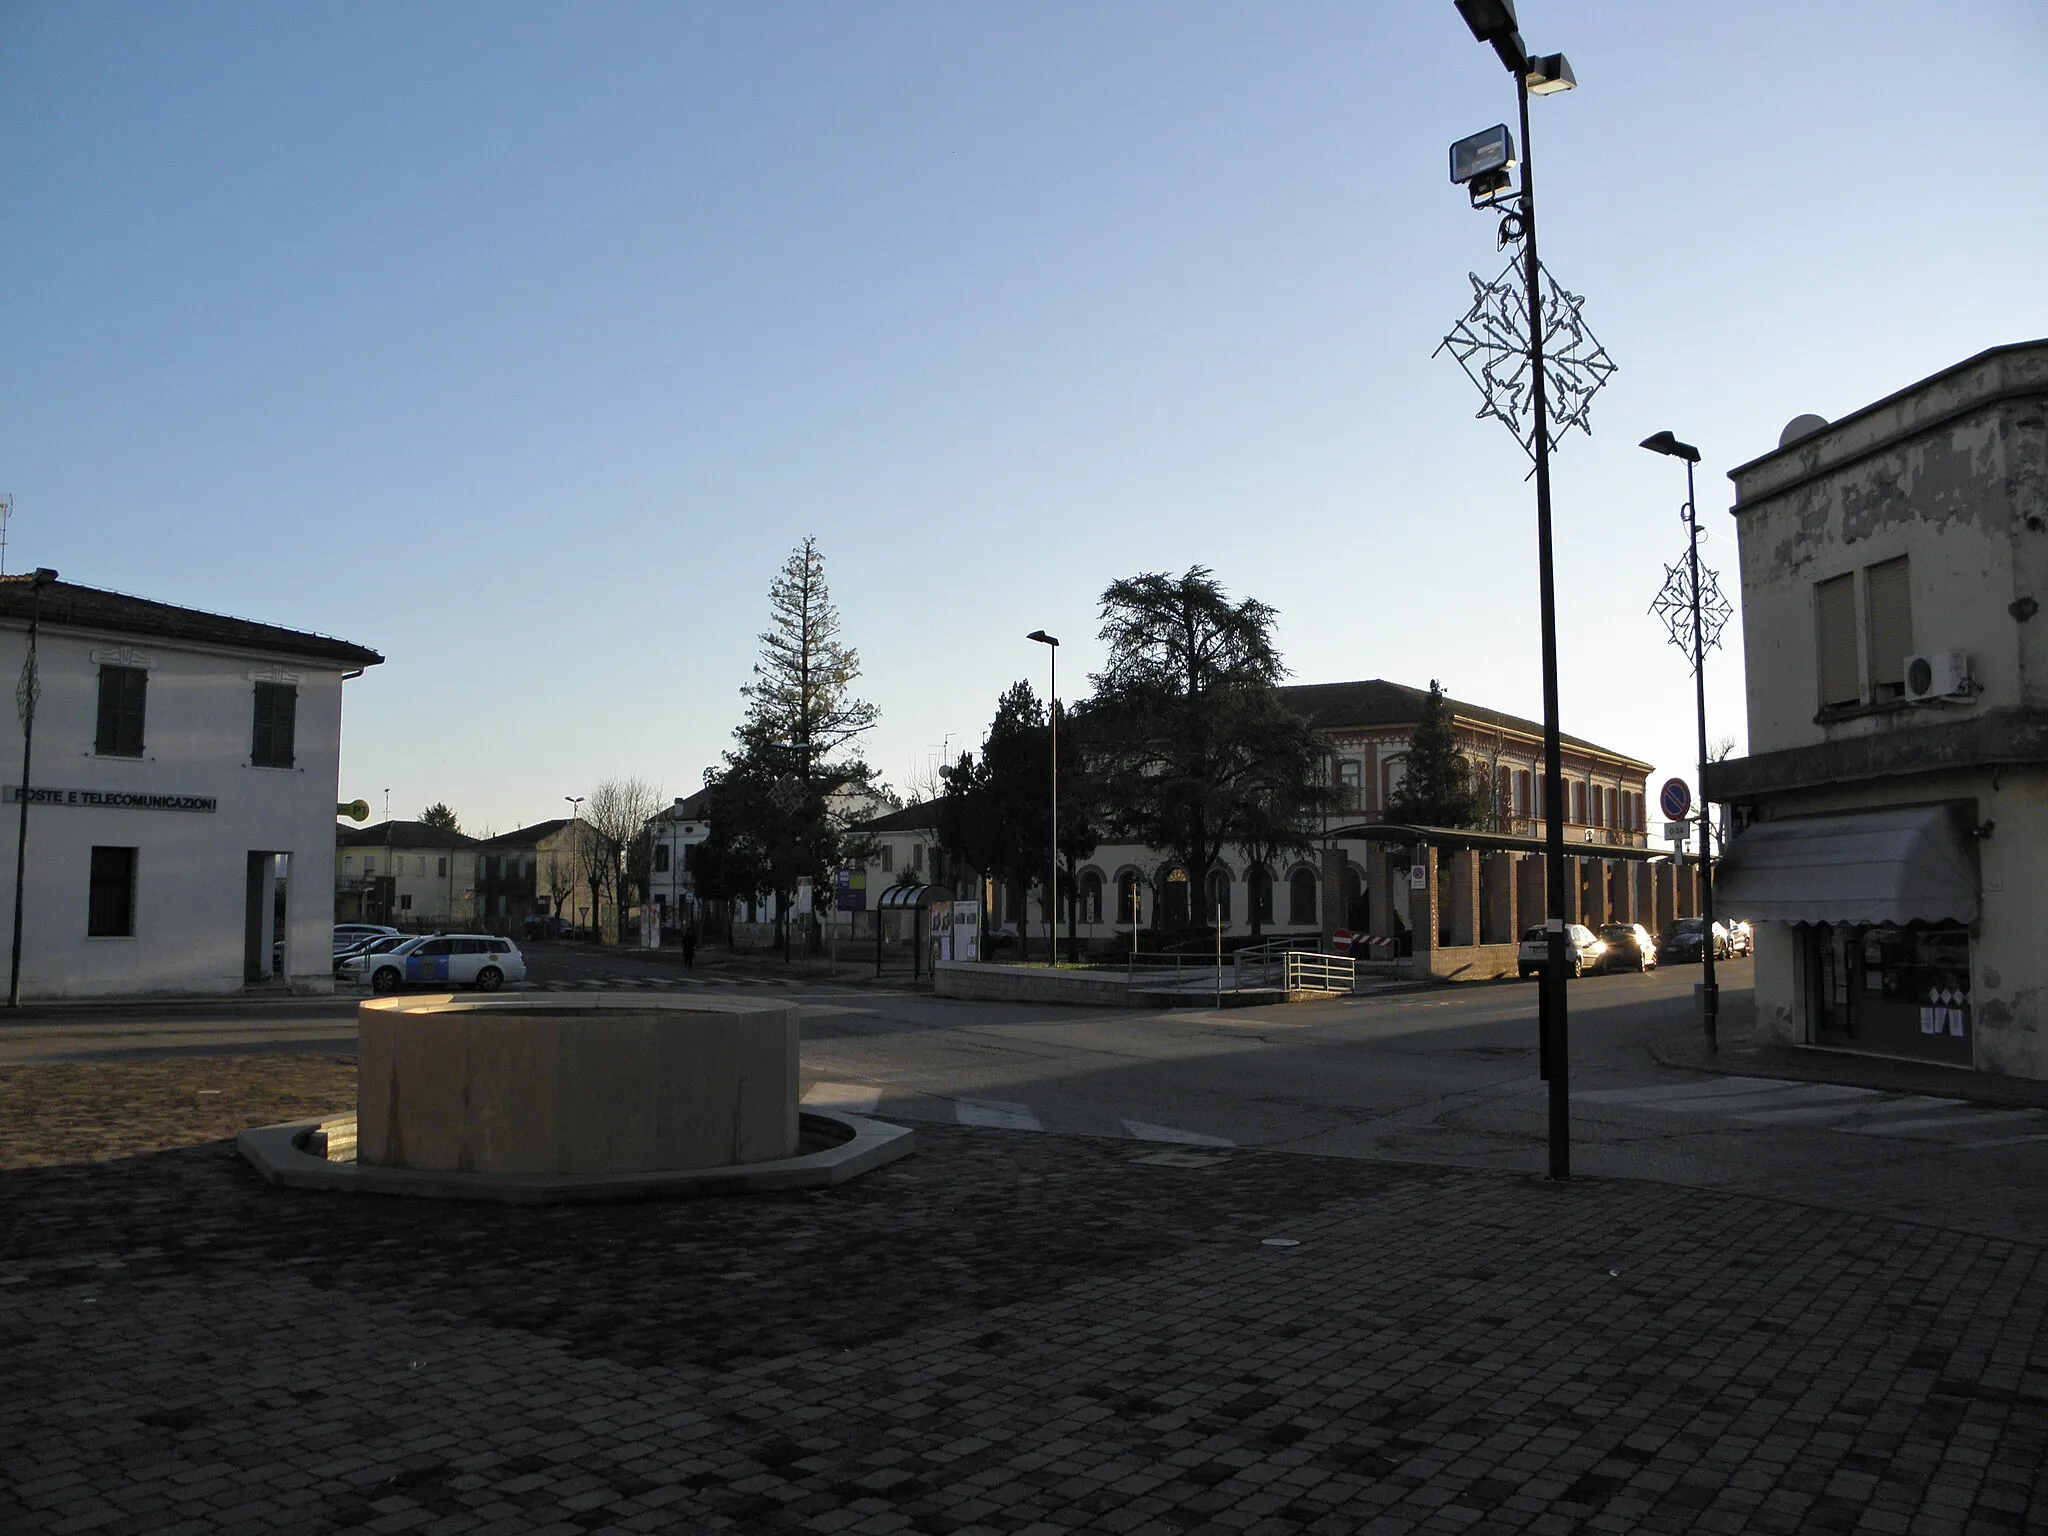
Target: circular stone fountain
{"x":559,"y":1097}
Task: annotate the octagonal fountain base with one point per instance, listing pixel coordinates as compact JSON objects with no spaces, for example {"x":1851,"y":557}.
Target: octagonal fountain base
{"x":547,"y":1098}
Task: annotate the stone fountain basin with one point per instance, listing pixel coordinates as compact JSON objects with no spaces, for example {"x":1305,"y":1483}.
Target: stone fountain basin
{"x":567,"y":1084}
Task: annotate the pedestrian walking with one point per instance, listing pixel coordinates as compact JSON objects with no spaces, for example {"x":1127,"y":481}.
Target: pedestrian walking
{"x":689,"y":949}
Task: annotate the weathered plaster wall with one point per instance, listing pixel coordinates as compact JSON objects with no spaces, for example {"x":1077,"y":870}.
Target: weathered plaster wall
{"x":1943,"y":502}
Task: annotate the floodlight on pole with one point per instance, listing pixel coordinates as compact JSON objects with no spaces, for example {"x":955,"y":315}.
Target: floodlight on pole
{"x":1691,"y":598}
{"x":1490,"y":346}
{"x":1052,"y":717}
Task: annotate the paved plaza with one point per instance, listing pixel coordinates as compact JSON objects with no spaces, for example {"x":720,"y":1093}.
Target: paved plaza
{"x":1006,"y":1332}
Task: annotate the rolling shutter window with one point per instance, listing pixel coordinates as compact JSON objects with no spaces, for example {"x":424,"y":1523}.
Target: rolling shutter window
{"x":1889,"y":597}
{"x":1834,"y":608}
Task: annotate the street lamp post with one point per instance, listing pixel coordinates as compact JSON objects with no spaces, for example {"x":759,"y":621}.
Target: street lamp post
{"x":1052,"y":715}
{"x":1493,"y":22}
{"x":31,"y":687}
{"x":1710,"y":992}
{"x":575,"y":847}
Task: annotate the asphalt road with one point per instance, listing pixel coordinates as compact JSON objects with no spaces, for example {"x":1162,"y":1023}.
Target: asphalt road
{"x":1447,"y":1075}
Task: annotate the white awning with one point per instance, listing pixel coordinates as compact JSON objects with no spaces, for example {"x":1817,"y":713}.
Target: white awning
{"x":1899,"y":865}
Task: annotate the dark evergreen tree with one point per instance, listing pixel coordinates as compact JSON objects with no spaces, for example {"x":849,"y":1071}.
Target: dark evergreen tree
{"x":1187,"y":734}
{"x":781,"y":806}
{"x":440,"y":814}
{"x":1438,"y":787}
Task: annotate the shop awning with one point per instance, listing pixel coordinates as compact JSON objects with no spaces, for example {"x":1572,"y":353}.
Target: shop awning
{"x":1914,"y":863}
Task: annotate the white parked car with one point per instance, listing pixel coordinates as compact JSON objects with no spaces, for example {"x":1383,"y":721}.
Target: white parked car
{"x":1583,"y":950}
{"x":480,"y":960}
{"x":348,"y":935}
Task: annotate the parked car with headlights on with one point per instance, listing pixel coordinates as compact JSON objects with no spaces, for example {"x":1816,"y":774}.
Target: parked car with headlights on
{"x":1630,"y":947}
{"x":1683,"y":942}
{"x":1583,"y":950}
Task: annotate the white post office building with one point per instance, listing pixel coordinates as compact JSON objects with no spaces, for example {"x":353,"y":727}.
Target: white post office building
{"x":180,"y":815}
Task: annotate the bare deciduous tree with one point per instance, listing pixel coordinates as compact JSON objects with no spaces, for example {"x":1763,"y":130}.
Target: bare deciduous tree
{"x":615,"y":815}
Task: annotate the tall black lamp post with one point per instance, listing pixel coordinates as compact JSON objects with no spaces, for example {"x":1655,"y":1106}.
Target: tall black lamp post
{"x":1483,"y":168}
{"x":25,"y":695}
{"x":1689,"y":604}
{"x":1052,"y":716}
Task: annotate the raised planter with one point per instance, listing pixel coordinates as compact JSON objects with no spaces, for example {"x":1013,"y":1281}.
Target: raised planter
{"x":554,"y":1084}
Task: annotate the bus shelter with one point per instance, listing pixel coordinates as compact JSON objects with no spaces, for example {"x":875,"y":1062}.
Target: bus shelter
{"x":909,"y":917}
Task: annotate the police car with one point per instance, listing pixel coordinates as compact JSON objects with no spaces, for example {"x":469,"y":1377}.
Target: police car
{"x":480,"y":960}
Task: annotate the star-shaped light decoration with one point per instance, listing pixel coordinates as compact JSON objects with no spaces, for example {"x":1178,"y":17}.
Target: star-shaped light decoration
{"x":1491,"y":343}
{"x":1674,"y":606}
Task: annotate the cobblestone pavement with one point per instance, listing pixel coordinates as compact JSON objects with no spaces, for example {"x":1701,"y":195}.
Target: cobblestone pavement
{"x":1006,"y":1332}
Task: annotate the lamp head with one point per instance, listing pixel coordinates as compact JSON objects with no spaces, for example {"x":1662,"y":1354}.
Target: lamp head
{"x":44,"y":577}
{"x":1548,"y":75}
{"x":1042,"y":637}
{"x":1665,"y":443}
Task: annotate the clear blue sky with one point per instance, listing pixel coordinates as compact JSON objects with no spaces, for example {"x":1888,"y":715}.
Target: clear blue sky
{"x":522,"y":342}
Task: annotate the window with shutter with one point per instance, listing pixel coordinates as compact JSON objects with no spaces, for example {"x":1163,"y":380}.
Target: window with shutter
{"x":277,"y":707}
{"x":1888,"y":599}
{"x":122,"y":697}
{"x":110,"y":902}
{"x":1834,"y":609}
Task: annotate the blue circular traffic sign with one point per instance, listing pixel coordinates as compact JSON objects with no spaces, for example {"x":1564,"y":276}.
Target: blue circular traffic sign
{"x":1675,"y":798}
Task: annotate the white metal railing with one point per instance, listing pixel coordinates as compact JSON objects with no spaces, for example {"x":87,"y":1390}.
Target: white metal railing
{"x":1311,"y":972}
{"x":1263,"y":965}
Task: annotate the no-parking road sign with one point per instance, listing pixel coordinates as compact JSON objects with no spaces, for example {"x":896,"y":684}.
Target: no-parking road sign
{"x":1675,"y":798}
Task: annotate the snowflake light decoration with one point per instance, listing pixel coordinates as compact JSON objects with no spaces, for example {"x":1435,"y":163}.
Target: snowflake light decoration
{"x":28,"y":690}
{"x":1491,"y":343}
{"x":1674,"y":606}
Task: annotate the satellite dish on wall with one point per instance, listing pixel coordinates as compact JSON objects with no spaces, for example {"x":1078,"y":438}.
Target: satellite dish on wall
{"x":1800,"y":426}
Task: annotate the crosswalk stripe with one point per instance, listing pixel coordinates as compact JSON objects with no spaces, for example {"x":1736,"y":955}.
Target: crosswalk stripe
{"x":1969,"y":1120}
{"x":1805,"y":1114}
{"x":996,"y":1116}
{"x":1776,"y":1098}
{"x":1664,"y":1092}
{"x":1915,"y":1101}
{"x":854,"y":1098}
{"x":1145,"y":1131}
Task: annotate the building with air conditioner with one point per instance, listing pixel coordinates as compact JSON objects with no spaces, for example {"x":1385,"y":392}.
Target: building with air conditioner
{"x":180,"y":798}
{"x":1893,"y":850}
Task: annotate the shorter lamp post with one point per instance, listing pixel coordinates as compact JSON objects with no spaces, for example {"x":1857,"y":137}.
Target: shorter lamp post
{"x":1052,"y":716}
{"x":25,"y":695}
{"x":575,"y":848}
{"x":1678,"y":605}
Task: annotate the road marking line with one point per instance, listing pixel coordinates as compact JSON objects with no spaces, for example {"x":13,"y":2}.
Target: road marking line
{"x":855,"y":1098}
{"x":996,"y":1116}
{"x":1145,"y":1131}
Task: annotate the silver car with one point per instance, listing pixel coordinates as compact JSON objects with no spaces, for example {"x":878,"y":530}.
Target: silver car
{"x":480,"y":960}
{"x":1583,"y":950}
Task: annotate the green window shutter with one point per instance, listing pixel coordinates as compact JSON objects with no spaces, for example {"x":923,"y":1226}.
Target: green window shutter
{"x":1834,"y":609}
{"x":123,"y":693}
{"x":1889,"y":601}
{"x":272,"y":737}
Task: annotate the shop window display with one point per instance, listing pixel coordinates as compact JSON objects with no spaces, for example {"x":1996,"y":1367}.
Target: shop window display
{"x":1894,"y":990}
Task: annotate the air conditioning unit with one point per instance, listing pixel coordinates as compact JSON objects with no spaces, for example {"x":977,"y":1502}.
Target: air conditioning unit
{"x":1938,"y":675}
